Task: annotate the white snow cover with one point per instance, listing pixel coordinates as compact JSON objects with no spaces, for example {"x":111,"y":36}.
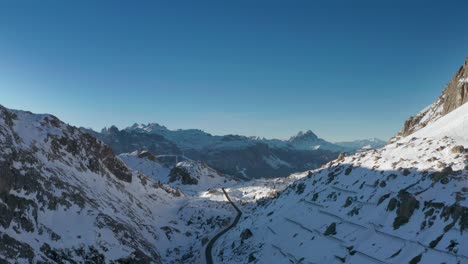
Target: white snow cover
{"x":152,"y":168}
{"x":462,"y":81}
{"x":454,"y":125}
{"x":403,"y":202}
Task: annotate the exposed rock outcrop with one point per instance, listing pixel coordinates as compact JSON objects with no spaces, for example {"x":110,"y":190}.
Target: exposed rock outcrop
{"x":454,"y":95}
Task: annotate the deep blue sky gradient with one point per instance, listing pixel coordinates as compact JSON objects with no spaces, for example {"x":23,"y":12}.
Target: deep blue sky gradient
{"x":344,"y":69}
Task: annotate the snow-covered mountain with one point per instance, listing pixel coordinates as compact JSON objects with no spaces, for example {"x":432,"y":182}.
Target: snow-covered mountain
{"x":239,"y":156}
{"x":453,"y":96}
{"x":192,"y":139}
{"x":309,"y":141}
{"x":66,"y":198}
{"x":188,"y":139}
{"x":404,"y":203}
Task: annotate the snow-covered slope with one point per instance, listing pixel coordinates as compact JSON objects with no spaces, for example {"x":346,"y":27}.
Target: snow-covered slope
{"x":454,"y":125}
{"x":65,"y":198}
{"x":148,"y":164}
{"x":189,"y":176}
{"x":393,"y":205}
{"x":404,"y":203}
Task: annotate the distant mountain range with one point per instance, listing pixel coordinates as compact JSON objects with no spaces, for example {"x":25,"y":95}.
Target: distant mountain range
{"x":198,"y":139}
{"x":239,"y":156}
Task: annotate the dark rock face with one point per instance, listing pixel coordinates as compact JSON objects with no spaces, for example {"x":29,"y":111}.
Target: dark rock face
{"x":14,"y":249}
{"x":454,"y":95}
{"x":146,"y":155}
{"x":304,"y":136}
{"x":100,"y":157}
{"x":89,"y":255}
{"x":456,"y":91}
{"x":180,"y":174}
{"x":246,"y":234}
{"x":406,"y":206}
{"x":331,"y":230}
{"x":458,"y":150}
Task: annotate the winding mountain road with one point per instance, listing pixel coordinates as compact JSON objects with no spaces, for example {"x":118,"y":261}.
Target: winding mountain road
{"x":209,"y":247}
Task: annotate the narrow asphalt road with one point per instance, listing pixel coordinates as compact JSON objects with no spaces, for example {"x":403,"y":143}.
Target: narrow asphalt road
{"x":209,"y":247}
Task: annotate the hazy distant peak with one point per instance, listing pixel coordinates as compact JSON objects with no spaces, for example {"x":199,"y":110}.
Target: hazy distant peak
{"x":111,"y":130}
{"x":307,"y":135}
{"x":150,"y":127}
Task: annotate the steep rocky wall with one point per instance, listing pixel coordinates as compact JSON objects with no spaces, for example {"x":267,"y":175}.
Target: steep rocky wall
{"x":453,"y":96}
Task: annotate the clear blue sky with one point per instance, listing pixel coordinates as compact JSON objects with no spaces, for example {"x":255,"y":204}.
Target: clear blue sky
{"x":344,"y":69}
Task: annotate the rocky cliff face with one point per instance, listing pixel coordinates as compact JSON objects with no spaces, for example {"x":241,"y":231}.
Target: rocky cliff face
{"x":454,"y":95}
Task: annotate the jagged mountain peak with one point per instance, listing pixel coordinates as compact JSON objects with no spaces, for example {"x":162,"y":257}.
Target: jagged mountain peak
{"x":453,"y":96}
{"x":308,"y":140}
{"x":111,"y":130}
{"x":149,"y":128}
{"x":307,"y":135}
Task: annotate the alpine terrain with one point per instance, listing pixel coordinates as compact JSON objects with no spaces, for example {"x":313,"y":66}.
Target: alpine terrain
{"x":66,"y":198}
{"x":403,"y":203}
{"x":233,"y":132}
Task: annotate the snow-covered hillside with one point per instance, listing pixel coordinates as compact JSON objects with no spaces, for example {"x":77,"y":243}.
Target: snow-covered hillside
{"x":65,"y":198}
{"x":148,"y":164}
{"x":189,"y":176}
{"x":454,"y":125}
{"x":404,"y":203}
